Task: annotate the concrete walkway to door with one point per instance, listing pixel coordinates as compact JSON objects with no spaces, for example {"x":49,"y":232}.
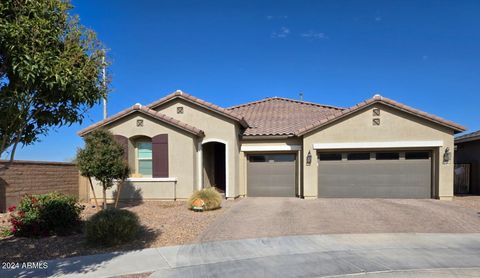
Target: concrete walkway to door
{"x":273,"y":217}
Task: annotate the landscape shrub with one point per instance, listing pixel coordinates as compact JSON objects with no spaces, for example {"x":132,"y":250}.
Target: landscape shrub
{"x":112,"y":226}
{"x":210,"y":196}
{"x":45,"y":214}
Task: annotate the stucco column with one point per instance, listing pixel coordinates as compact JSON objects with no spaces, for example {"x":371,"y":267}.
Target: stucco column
{"x":310,"y":172}
{"x":199,"y":165}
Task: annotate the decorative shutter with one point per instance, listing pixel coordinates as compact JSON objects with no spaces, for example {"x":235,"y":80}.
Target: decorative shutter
{"x":160,"y":156}
{"x":123,"y":141}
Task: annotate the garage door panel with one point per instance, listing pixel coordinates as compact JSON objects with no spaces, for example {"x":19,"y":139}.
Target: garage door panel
{"x":375,"y":179}
{"x":272,"y":178}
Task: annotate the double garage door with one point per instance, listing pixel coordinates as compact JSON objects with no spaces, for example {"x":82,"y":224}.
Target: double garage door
{"x":271,"y":175}
{"x":399,"y":174}
{"x":377,"y":174}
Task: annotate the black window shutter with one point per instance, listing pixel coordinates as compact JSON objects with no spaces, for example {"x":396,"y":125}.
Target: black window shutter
{"x":123,"y":141}
{"x":160,"y":156}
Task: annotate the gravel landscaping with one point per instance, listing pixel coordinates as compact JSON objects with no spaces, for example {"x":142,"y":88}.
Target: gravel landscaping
{"x":165,"y":223}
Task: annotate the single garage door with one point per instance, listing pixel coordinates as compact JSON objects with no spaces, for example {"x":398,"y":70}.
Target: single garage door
{"x":406,"y":174}
{"x":271,"y":175}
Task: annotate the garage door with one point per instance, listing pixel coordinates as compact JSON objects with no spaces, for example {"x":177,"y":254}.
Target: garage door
{"x":406,"y":174}
{"x":271,"y":175}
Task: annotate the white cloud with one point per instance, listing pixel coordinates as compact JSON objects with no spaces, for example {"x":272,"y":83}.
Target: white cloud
{"x":271,"y":17}
{"x":281,"y":34}
{"x":314,"y":35}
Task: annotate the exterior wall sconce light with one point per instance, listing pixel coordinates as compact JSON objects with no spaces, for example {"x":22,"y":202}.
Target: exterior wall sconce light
{"x":309,"y":158}
{"x":447,"y":156}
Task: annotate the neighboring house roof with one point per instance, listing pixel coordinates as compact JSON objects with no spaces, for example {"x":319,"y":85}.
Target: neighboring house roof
{"x":207,"y":105}
{"x":468,"y":137}
{"x":281,"y":116}
{"x":146,"y":111}
{"x":378,"y":99}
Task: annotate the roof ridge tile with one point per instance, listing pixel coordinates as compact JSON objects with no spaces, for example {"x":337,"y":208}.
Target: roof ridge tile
{"x":283,"y":99}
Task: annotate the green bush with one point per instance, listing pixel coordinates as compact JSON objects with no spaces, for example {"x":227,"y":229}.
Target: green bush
{"x":45,"y":214}
{"x":111,"y":227}
{"x":210,"y":196}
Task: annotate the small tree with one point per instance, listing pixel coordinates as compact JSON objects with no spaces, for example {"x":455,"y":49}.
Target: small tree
{"x":50,"y":70}
{"x":102,"y":158}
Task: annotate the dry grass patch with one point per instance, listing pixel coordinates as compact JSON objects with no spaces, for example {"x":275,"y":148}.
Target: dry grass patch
{"x":210,"y":199}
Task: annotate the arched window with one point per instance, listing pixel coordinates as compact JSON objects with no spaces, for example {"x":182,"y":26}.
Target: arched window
{"x":144,"y":158}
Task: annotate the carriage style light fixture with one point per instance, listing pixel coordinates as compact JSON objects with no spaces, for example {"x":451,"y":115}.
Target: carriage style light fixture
{"x":447,"y":156}
{"x":309,"y":158}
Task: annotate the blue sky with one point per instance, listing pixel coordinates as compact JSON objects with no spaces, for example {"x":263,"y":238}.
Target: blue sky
{"x":423,"y":53}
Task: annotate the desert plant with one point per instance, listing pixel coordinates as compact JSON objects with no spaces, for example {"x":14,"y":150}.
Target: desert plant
{"x":50,"y":71}
{"x":103,"y":159}
{"x":45,"y":214}
{"x":210,"y":196}
{"x":112,"y":226}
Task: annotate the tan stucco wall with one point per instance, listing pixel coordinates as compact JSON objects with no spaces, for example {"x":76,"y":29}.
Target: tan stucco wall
{"x":139,"y":190}
{"x":216,"y":128}
{"x":395,"y":126}
{"x":182,"y":150}
{"x":267,"y":143}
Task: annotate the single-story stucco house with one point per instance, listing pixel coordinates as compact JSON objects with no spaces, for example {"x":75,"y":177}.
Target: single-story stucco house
{"x":281,"y":147}
{"x":467,"y":151}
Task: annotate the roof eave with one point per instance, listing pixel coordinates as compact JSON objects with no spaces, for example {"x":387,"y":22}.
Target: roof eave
{"x":185,"y":97}
{"x":137,"y":108}
{"x":466,"y":140}
{"x":367,"y":103}
{"x":262,"y":137}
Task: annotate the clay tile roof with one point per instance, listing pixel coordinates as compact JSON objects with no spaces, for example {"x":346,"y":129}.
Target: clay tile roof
{"x":473,"y":136}
{"x":210,"y":106}
{"x":281,"y":116}
{"x":146,"y":111}
{"x":386,"y":101}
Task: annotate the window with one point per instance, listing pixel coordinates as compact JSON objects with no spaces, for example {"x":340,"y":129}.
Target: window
{"x":358,"y":156}
{"x":282,"y":157}
{"x":388,"y":156}
{"x":144,"y":158}
{"x":330,"y":156}
{"x":273,"y":158}
{"x":417,"y":155}
{"x":258,"y":158}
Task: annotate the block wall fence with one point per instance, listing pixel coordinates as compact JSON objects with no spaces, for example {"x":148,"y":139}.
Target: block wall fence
{"x":37,"y":177}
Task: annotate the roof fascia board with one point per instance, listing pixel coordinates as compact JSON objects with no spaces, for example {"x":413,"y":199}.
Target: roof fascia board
{"x":179,"y":96}
{"x":369,"y":103}
{"x":465,"y":140}
{"x":116,"y":118}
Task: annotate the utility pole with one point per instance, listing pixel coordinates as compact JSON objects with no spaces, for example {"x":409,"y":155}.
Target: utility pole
{"x":301,"y":96}
{"x":104,"y":75}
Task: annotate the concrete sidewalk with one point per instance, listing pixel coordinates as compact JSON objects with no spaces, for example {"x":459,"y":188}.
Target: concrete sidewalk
{"x":369,"y":255}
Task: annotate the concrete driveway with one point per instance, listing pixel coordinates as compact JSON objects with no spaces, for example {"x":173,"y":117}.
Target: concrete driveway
{"x":273,"y":217}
